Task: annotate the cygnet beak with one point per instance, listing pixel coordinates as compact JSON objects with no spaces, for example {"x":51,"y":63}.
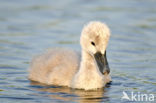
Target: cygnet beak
{"x":102,"y":63}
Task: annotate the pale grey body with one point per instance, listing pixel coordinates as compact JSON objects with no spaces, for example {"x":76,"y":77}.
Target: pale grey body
{"x":56,"y":66}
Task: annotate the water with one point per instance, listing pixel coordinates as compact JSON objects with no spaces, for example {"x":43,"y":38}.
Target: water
{"x":28,"y":27}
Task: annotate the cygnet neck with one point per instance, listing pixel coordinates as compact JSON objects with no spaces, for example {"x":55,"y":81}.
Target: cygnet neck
{"x":87,"y":61}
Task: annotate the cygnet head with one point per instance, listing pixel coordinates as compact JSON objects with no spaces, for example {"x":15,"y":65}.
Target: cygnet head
{"x":94,"y":40}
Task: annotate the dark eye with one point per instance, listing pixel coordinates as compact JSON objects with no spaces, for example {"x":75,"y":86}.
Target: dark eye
{"x":93,"y":43}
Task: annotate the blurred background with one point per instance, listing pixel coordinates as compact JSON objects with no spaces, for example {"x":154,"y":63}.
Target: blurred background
{"x":28,"y":27}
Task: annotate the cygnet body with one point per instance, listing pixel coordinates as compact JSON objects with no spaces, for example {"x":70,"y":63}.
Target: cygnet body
{"x":65,"y":67}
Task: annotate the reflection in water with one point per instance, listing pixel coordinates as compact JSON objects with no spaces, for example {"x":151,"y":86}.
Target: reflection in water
{"x":74,"y":95}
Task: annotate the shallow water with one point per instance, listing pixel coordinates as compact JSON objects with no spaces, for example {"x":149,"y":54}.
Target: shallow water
{"x":28,"y":27}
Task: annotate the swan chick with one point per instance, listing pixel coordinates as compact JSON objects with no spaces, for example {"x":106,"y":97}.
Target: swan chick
{"x":65,"y":67}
